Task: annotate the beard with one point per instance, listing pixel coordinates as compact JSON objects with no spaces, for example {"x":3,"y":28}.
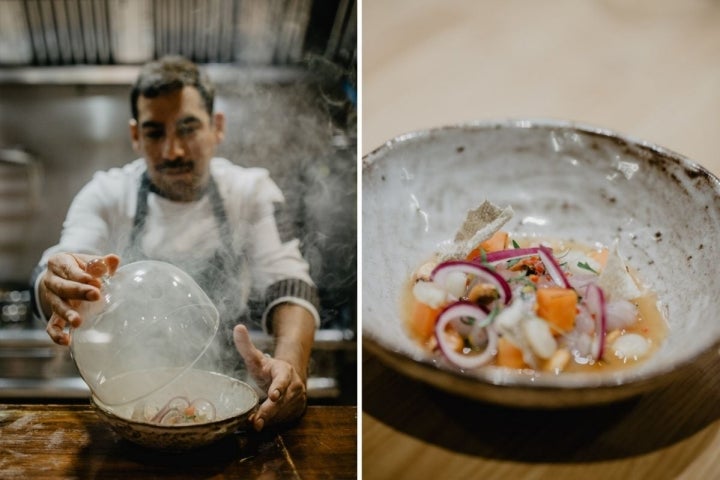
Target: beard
{"x":179,"y":180}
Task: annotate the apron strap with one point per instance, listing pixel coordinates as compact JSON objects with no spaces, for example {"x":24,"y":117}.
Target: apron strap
{"x":141,"y":210}
{"x":216,"y":202}
{"x":218,"y":208}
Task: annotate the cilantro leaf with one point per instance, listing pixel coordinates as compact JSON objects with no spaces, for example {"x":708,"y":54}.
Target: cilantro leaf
{"x":585,"y":266}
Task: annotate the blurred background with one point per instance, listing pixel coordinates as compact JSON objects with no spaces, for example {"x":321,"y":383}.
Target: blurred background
{"x":647,"y":68}
{"x":286,"y":77}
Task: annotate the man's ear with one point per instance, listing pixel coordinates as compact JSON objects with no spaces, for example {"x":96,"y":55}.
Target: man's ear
{"x":134,"y":134}
{"x":219,"y":124}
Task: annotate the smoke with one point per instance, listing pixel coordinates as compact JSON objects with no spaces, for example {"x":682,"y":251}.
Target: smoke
{"x":292,"y":130}
{"x":289,"y":130}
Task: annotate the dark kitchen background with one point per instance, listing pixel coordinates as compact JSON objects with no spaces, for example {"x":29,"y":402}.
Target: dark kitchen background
{"x":286,"y":77}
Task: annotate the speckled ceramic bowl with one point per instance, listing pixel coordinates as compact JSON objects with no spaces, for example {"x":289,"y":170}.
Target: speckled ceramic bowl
{"x":233,"y":400}
{"x":563,"y":180}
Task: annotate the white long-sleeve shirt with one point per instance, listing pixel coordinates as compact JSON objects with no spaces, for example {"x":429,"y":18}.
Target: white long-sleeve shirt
{"x":101,"y":215}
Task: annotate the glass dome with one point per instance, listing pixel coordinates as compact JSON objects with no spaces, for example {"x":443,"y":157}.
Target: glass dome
{"x":152,"y":324}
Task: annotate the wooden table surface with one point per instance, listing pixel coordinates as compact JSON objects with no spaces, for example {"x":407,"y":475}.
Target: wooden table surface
{"x":414,"y":431}
{"x":646,"y":68}
{"x":70,"y":441}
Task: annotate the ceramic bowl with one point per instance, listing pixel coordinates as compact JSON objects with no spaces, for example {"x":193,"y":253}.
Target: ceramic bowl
{"x":563,"y":180}
{"x":234,"y":402}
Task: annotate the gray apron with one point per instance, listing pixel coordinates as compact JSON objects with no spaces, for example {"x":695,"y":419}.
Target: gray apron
{"x":218,"y":276}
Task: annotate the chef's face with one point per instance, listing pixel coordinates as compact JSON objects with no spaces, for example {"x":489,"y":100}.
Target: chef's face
{"x":177,"y":136}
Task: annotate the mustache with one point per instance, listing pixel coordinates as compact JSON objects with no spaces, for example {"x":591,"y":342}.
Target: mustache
{"x":180,"y":162}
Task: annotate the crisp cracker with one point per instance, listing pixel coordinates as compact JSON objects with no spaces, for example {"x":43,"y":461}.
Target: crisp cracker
{"x":480,"y":224}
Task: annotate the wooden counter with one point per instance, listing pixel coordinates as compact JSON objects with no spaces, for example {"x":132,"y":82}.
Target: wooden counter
{"x":645,"y":68}
{"x":414,"y":431}
{"x":70,"y":441}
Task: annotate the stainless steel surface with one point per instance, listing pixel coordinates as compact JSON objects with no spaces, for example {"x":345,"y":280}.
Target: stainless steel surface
{"x":32,"y":366}
{"x":14,"y":306}
{"x":251,"y":32}
{"x":48,"y":388}
{"x":20,"y":198}
{"x":124,"y":75}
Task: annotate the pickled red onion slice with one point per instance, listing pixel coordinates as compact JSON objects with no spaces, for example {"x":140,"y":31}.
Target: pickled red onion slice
{"x":204,"y":409}
{"x":175,"y":403}
{"x":441,"y":272}
{"x":462,"y":360}
{"x":510,"y":254}
{"x":172,"y":416}
{"x":553,"y":267}
{"x":595,"y":301}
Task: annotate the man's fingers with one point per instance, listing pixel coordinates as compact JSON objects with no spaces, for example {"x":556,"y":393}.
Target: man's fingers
{"x":286,"y":396}
{"x":101,"y":266}
{"x":274,"y":394}
{"x":112,"y":261}
{"x":56,"y":330}
{"x":64,"y":311}
{"x":62,"y":296}
{"x":83,"y":268}
{"x":253,"y":357}
{"x":277,"y":411}
{"x":268,"y":409}
{"x":70,"y":267}
{"x":68,"y":289}
{"x":286,"y":393}
{"x":281,"y":379}
{"x":70,"y":279}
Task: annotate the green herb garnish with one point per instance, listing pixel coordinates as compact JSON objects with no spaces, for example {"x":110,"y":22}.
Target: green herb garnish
{"x":585,"y":266}
{"x":492,"y":315}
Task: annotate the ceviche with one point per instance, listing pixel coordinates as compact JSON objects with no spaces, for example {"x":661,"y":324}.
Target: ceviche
{"x":530,"y":303}
{"x":176,"y":411}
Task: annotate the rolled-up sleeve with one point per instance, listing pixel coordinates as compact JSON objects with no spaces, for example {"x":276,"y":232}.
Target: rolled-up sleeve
{"x":279,"y":271}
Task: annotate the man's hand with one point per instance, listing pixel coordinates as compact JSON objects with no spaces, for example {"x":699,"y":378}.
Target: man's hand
{"x":287,"y":394}
{"x":70,"y":279}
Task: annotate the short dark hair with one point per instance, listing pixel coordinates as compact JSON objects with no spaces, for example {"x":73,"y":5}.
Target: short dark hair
{"x":169,"y":74}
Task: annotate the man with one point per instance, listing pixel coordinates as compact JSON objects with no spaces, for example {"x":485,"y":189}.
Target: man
{"x":213,"y":218}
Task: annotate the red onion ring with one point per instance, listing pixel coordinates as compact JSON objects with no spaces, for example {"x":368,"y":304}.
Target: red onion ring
{"x":509,"y":254}
{"x":467,"y":362}
{"x":553,"y":267}
{"x":595,"y":301}
{"x":204,"y":408}
{"x":172,"y":416}
{"x":175,"y":403}
{"x":440,"y":273}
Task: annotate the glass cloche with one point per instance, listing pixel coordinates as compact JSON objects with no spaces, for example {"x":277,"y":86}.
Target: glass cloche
{"x":151,"y":325}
